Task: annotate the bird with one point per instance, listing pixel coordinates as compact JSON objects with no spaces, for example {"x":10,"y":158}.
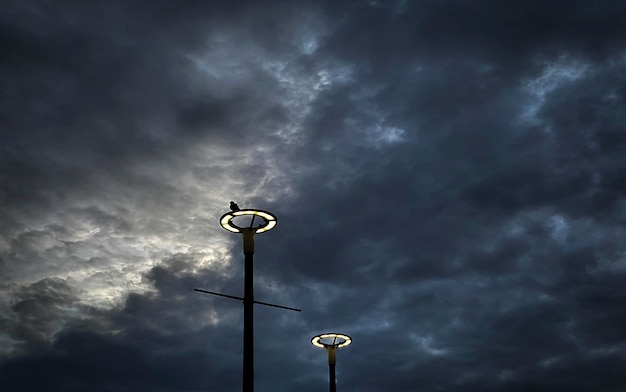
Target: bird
{"x":234,"y":206}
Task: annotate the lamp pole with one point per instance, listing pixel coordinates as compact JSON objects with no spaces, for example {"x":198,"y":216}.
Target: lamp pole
{"x":269,"y":222}
{"x":332,"y":361}
{"x":248,"y":315}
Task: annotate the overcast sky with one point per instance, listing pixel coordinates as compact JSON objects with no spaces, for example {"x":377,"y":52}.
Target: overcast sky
{"x":449,"y":178}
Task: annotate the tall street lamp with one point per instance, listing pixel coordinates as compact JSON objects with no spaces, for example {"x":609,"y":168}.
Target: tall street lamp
{"x":268,"y":222}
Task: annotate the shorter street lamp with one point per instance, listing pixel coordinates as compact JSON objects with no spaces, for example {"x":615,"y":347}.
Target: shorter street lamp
{"x":331,"y":342}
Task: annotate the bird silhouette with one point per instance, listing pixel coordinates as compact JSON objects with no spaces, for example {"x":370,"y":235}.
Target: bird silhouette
{"x":234,"y":206}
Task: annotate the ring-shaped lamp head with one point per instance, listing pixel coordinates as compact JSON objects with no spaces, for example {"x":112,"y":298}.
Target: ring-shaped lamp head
{"x":269,"y":220}
{"x":339,"y":340}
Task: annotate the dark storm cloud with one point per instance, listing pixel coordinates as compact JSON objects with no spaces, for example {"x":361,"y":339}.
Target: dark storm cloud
{"x":410,"y":213}
{"x":448,"y":177}
{"x":90,"y":88}
{"x":466,"y":151}
{"x":389,"y":36}
{"x":82,"y":360}
{"x":37,"y":311}
{"x":144,"y":335}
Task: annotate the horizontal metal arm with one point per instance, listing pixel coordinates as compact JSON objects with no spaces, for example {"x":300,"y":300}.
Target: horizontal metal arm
{"x":241,"y":299}
{"x":278,"y":306}
{"x":221,"y":295}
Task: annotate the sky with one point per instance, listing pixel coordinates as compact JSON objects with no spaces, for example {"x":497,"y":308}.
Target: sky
{"x":449,"y":178}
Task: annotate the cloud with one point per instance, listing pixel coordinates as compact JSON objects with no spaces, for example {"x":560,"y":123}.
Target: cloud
{"x":447,"y":176}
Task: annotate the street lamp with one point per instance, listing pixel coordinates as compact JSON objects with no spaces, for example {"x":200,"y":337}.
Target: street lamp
{"x":331,"y":342}
{"x":268,"y":223}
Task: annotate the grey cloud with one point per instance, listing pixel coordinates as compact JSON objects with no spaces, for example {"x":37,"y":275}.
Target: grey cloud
{"x":447,"y":177}
{"x":103,"y":363}
{"x":39,"y":310}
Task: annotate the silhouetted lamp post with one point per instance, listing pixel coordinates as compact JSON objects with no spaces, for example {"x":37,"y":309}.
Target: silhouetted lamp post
{"x":331,"y":342}
{"x":268,"y":223}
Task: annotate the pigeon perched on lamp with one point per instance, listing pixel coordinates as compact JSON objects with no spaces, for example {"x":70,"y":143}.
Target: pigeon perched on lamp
{"x":234,"y":206}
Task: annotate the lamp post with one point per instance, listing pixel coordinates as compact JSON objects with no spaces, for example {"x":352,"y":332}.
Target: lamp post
{"x":331,"y":342}
{"x":269,"y":222}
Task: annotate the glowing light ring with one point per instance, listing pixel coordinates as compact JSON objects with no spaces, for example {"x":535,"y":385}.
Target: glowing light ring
{"x":346,"y":340}
{"x":269,"y":219}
